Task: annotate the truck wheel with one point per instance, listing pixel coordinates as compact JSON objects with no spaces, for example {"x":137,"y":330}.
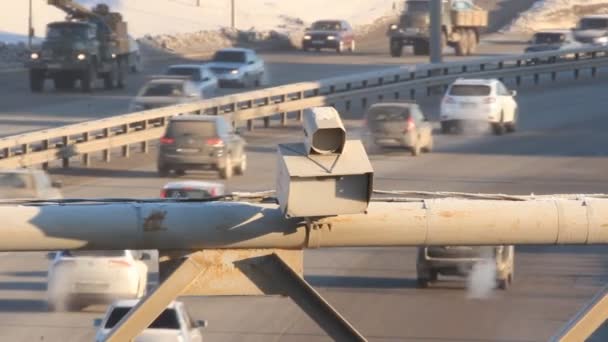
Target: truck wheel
{"x":88,"y":76}
{"x":446,"y":128}
{"x":226,"y":172}
{"x":123,"y":70}
{"x":396,"y":49}
{"x":421,"y":48}
{"x":472,"y":42}
{"x":422,"y":283}
{"x":242,"y":167}
{"x":416,"y":149}
{"x":109,"y":78}
{"x":462,"y":44}
{"x":36,"y":80}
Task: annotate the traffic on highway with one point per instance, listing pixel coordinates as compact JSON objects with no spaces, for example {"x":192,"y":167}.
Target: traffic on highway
{"x":226,"y":127}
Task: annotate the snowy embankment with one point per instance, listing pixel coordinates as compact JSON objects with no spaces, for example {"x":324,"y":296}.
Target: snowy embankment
{"x":555,"y":14}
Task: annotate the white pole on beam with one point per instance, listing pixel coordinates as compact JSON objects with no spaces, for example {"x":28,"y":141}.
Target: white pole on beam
{"x":167,"y":225}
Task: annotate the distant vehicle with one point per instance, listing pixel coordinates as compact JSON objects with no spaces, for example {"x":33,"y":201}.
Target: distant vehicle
{"x":329,"y":34}
{"x":479,"y":102}
{"x":461,"y":23}
{"x":592,"y":29}
{"x":90,"y":44}
{"x":80,"y":278}
{"x":399,"y":124}
{"x":192,"y":190}
{"x":173,"y":325}
{"x":28,"y":184}
{"x":165,"y":91}
{"x":203,"y":142}
{"x":200,"y":76}
{"x":459,"y":260}
{"x":238,"y":67}
{"x":552,"y":40}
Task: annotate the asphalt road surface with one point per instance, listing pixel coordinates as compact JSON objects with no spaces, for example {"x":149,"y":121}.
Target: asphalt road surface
{"x":558,"y":148}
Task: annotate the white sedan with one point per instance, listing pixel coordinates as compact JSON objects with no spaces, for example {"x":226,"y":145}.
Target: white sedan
{"x":173,"y":324}
{"x":238,"y":67}
{"x":200,"y":76}
{"x":479,"y":102}
{"x":77,"y":279}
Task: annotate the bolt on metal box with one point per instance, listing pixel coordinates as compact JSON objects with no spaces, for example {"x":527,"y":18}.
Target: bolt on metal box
{"x":326,"y":175}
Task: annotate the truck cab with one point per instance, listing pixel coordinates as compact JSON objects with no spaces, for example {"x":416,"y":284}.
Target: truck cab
{"x":89,"y":45}
{"x":460,"y":21}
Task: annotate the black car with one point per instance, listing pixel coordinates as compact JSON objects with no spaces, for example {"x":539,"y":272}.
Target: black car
{"x":201,"y":142}
{"x":329,"y":34}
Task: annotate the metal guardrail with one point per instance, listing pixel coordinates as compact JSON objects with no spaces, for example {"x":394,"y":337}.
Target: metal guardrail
{"x":124,"y":131}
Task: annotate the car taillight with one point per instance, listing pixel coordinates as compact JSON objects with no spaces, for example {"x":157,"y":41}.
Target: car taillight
{"x":489,"y":100}
{"x":215,"y":142}
{"x":411,"y":125}
{"x":166,"y":141}
{"x":120,"y":262}
{"x":213,"y":192}
{"x":449,"y":100}
{"x":163,"y":193}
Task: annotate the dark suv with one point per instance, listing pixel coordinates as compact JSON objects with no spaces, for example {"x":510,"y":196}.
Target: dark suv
{"x":329,"y":34}
{"x":201,"y":142}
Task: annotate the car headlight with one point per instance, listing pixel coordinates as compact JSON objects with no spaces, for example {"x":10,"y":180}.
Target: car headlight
{"x":234,"y":71}
{"x":34,"y":55}
{"x":113,"y":55}
{"x":81,"y":56}
{"x":601,"y":40}
{"x":307,"y":37}
{"x":331,"y":38}
{"x":394,"y":26}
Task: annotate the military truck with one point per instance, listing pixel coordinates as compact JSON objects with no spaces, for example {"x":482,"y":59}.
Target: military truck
{"x":461,"y":23}
{"x":88,"y":45}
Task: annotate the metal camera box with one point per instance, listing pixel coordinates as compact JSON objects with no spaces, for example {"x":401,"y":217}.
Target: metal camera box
{"x":325,"y":175}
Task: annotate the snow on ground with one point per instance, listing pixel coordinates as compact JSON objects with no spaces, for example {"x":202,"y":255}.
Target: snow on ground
{"x":553,"y":14}
{"x":178,"y":16}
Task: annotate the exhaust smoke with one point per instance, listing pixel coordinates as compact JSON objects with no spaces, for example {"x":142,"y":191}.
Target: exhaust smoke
{"x":481,"y":282}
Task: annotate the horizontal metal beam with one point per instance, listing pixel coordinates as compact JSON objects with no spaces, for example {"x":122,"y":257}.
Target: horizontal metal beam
{"x":166,"y":225}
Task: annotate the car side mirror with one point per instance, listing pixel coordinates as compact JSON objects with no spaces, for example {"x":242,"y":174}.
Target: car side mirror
{"x":513,"y":93}
{"x":251,"y":62}
{"x":97,"y":322}
{"x":201,"y":323}
{"x":206,"y":79}
{"x":145,"y":256}
{"x":57,"y":184}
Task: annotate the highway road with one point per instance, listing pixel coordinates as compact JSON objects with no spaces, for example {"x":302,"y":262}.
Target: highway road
{"x":559,"y":148}
{"x":23,"y":111}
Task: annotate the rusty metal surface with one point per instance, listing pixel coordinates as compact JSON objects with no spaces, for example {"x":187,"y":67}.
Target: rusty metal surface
{"x":586,"y":321}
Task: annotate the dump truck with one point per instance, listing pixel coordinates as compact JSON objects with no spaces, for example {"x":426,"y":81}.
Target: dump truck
{"x":461,"y":22}
{"x":90,"y":44}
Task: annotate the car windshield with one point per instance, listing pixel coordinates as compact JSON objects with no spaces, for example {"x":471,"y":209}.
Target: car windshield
{"x":470,"y":90}
{"x":192,"y":128}
{"x":594,"y":24}
{"x":94,"y":254}
{"x":417,"y":6}
{"x":69,"y":31}
{"x":326,"y":26}
{"x":386,"y":113}
{"x":193,"y":73}
{"x":229,"y":56}
{"x":549,"y":38}
{"x":166,"y":320}
{"x":164,"y":89}
{"x":188,"y":193}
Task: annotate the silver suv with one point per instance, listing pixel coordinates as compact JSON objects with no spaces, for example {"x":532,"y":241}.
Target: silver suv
{"x":201,"y":142}
{"x":459,"y":261}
